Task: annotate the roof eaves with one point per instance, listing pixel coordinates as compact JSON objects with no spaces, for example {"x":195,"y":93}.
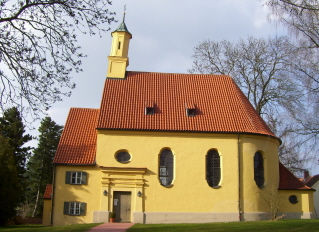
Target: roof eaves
{"x":190,"y":131}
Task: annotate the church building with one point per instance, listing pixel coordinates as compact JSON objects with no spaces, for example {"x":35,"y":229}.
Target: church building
{"x":169,"y":148}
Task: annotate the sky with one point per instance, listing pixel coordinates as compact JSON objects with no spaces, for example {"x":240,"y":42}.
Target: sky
{"x":164,"y":33}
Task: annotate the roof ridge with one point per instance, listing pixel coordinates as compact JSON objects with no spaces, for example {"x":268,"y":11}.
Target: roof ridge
{"x":190,"y":74}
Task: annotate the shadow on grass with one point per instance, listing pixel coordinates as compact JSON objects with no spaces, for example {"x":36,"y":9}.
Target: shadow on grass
{"x":40,"y":228}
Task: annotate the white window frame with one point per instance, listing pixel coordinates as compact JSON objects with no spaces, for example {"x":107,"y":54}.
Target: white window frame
{"x":76,"y":178}
{"x":75,"y":208}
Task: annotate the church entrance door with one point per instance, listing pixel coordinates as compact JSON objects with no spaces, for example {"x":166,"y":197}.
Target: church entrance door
{"x":122,"y":206}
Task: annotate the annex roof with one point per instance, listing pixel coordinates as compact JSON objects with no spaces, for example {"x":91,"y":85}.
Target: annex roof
{"x":220,"y":106}
{"x":288,"y":181}
{"x":47,"y":192}
{"x":77,"y":145}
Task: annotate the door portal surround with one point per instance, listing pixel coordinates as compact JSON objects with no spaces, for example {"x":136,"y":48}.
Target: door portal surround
{"x":123,"y":184}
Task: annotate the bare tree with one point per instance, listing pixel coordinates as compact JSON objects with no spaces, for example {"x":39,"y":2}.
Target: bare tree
{"x":39,"y":50}
{"x":260,"y":67}
{"x":300,"y":16}
{"x":273,"y":201}
{"x":266,"y":71}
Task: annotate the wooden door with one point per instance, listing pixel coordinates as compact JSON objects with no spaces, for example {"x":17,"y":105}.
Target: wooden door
{"x":122,"y":206}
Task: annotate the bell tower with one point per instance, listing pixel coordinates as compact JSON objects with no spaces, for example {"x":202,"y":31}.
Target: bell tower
{"x":118,"y":59}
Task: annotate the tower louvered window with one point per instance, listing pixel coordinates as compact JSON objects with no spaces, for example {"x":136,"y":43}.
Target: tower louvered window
{"x":259,"y":169}
{"x":213,"y":168}
{"x":166,"y":167}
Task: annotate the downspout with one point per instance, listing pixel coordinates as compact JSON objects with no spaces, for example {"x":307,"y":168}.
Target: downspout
{"x":52,"y":196}
{"x":239,"y":172}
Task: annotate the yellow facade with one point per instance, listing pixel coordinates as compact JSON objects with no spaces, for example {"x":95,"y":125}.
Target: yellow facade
{"x":46,"y":218}
{"x":303,"y":208}
{"x":189,"y":193}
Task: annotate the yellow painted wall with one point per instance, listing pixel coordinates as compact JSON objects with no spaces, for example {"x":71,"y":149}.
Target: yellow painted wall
{"x":189,"y":191}
{"x":118,"y":60}
{"x":90,"y":193}
{"x":123,"y":38}
{"x":305,"y":201}
{"x":189,"y":151}
{"x":46,"y":221}
{"x":268,"y":146}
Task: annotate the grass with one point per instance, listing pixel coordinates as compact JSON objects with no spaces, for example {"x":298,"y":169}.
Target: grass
{"x":260,"y":226}
{"x":40,"y":228}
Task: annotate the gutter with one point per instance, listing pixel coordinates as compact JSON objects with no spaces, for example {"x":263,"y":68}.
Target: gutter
{"x":52,"y":196}
{"x":239,"y":189}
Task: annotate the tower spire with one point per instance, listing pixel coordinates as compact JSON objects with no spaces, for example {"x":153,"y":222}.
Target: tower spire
{"x":118,"y":59}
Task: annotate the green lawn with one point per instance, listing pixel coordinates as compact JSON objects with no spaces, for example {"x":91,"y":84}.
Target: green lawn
{"x":277,"y":226}
{"x":39,"y":228}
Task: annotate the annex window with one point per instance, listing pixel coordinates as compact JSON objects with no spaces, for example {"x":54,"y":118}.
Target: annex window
{"x":74,"y":208}
{"x":213,"y":168}
{"x":75,"y":177}
{"x":166,"y":167}
{"x":259,"y":169}
{"x":123,"y":157}
{"x":293,"y":199}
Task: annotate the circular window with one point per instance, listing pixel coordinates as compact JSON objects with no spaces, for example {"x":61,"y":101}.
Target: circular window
{"x":293,"y":199}
{"x":123,"y":157}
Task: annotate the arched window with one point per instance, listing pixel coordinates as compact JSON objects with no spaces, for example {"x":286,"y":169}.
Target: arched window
{"x":166,"y":167}
{"x":213,"y":168}
{"x":259,"y":169}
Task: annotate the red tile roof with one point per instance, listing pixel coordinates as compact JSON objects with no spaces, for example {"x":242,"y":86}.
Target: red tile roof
{"x":48,"y":192}
{"x":77,"y":145}
{"x":288,"y":181}
{"x":220,"y":104}
{"x":311,"y":180}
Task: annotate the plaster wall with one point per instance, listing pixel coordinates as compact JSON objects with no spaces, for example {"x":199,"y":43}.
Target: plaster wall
{"x":303,"y":207}
{"x":90,"y":193}
{"x":189,"y":191}
{"x":46,"y":218}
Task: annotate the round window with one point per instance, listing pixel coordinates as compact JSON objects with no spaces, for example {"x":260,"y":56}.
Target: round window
{"x":293,"y":199}
{"x":123,"y":157}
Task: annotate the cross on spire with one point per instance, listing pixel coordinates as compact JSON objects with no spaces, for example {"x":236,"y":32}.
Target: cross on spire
{"x":124,"y":13}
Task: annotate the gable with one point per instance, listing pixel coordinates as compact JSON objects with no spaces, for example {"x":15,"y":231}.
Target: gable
{"x":78,"y":140}
{"x":219,"y":104}
{"x":288,"y":181}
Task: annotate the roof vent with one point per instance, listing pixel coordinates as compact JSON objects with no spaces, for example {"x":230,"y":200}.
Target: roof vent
{"x":149,"y":108}
{"x":190,"y":109}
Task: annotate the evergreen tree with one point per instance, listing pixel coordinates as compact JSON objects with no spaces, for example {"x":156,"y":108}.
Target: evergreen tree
{"x":13,"y":155}
{"x":40,"y":167}
{"x":10,"y":188}
{"x":13,"y":129}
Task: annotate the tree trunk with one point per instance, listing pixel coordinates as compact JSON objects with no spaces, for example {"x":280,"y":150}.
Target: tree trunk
{"x":36,"y":203}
